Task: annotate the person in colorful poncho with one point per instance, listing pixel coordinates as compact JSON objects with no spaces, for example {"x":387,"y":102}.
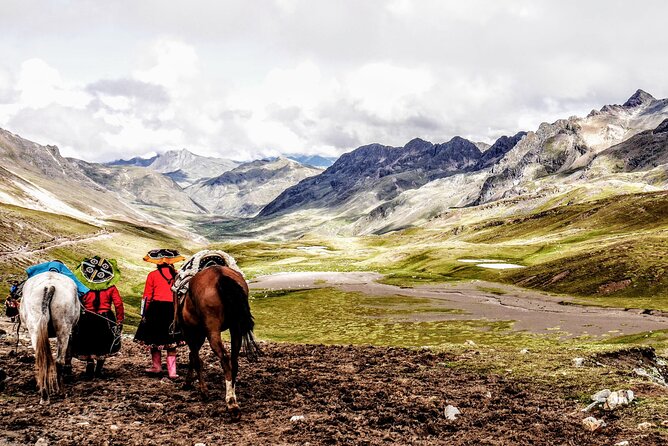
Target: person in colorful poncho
{"x":98,"y":334}
{"x":155,"y":329}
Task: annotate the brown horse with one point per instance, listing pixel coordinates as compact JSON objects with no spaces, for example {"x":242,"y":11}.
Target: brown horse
{"x":217,"y":300}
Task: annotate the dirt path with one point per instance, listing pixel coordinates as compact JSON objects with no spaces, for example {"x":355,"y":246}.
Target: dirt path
{"x":533,"y":311}
{"x":347,"y":395}
{"x":59,"y":242}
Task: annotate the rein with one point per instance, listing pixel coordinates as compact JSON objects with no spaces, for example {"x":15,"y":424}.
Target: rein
{"x":99,"y":315}
{"x":179,"y":303}
{"x":17,"y":324}
{"x":14,"y":302}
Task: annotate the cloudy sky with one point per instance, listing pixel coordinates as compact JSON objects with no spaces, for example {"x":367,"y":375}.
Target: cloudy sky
{"x":253,"y":78}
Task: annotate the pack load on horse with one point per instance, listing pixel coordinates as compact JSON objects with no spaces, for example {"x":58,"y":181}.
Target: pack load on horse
{"x":98,"y":333}
{"x":58,"y":267}
{"x":50,"y":304}
{"x":214,"y":298}
{"x":157,"y":311}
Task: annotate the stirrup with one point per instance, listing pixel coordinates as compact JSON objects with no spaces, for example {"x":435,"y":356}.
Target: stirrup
{"x":174,"y":329}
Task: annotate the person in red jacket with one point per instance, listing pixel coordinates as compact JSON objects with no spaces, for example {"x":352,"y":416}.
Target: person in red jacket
{"x":98,"y":334}
{"x":155,"y":329}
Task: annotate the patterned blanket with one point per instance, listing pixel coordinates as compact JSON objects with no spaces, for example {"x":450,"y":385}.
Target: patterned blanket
{"x":198,"y":262}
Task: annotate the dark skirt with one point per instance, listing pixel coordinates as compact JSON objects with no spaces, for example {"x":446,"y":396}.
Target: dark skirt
{"x":95,"y":337}
{"x":155,"y":328}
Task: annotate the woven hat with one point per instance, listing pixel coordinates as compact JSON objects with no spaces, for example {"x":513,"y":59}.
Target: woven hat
{"x":161,"y":256}
{"x":98,"y":273}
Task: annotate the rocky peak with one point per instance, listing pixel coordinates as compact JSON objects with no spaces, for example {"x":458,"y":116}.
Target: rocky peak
{"x":359,"y":158}
{"x":53,"y":149}
{"x":183,"y":154}
{"x":271,"y":163}
{"x":640,"y":97}
{"x":418,"y":144}
{"x":499,"y":149}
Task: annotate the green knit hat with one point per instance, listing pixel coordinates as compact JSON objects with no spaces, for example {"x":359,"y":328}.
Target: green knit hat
{"x":98,"y":273}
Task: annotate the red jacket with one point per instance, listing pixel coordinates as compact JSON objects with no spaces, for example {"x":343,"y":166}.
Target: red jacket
{"x":107,"y":297}
{"x":159,"y":286}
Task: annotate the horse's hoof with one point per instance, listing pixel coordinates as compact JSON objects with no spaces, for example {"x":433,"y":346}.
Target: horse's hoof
{"x":235,"y":413}
{"x":43,"y":402}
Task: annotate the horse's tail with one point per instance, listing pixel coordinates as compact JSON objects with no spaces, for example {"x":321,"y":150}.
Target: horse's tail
{"x":46,"y":368}
{"x":238,"y":314}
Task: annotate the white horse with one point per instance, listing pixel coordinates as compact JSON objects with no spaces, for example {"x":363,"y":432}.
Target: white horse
{"x":49,"y":300}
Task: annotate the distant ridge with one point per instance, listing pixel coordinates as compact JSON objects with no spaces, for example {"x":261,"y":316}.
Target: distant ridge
{"x":244,"y":190}
{"x":384,"y":171}
{"x":182,"y":166}
{"x":314,"y":160}
{"x":136,"y":161}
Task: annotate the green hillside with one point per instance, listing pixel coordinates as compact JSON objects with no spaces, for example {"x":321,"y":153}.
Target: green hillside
{"x":610,"y":251}
{"x":29,"y":237}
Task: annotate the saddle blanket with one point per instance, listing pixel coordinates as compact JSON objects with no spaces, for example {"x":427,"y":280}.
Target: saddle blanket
{"x":198,"y":262}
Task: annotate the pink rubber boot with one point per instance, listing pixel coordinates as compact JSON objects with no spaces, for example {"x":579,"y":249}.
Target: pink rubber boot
{"x":171,"y":365}
{"x":157,"y":366}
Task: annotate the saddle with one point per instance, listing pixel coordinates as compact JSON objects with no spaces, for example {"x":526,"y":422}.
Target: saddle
{"x":198,"y":262}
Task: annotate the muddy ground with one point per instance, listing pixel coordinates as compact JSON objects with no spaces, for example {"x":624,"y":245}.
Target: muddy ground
{"x":347,"y":395}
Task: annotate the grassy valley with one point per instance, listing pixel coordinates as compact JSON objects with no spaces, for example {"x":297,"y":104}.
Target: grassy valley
{"x":607,"y":252}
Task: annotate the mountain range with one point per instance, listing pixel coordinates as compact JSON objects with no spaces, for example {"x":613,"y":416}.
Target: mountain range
{"x":384,"y":172}
{"x":374,"y":188}
{"x":321,"y":162}
{"x":182,"y":166}
{"x":246,"y":189}
{"x":165,"y":188}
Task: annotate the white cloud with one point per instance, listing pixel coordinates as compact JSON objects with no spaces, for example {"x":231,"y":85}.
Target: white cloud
{"x":247,"y":79}
{"x":400,"y":7}
{"x":302,"y":85}
{"x":172,"y":64}
{"x":8,"y":93}
{"x":386,"y":90}
{"x":39,"y":85}
{"x":75,"y":131}
{"x":287,"y":6}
